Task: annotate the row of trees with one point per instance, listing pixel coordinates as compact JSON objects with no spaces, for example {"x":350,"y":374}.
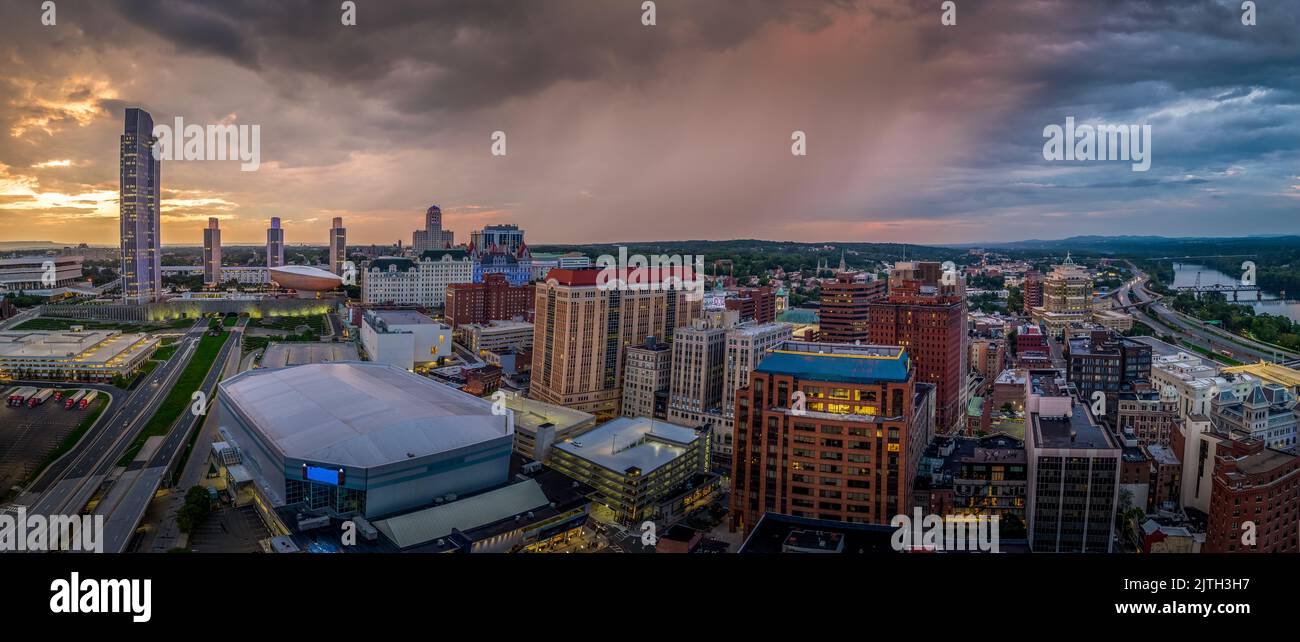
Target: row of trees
{"x":1242,"y":319}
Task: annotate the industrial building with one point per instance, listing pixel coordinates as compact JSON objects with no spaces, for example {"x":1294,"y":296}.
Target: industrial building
{"x":354,"y":438}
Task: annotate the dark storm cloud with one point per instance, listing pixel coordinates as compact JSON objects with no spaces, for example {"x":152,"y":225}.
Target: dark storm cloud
{"x":620,"y":132}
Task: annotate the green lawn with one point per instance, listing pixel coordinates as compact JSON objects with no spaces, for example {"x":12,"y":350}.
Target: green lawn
{"x":317,"y":323}
{"x":51,"y":324}
{"x":164,"y":353}
{"x":178,"y":399}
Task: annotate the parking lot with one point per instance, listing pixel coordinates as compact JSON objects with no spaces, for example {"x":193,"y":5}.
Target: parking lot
{"x":27,"y":435}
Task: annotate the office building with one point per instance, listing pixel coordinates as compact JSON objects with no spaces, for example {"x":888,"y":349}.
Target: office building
{"x":539,"y":425}
{"x":494,"y":299}
{"x":757,"y":305}
{"x":847,"y":451}
{"x":338,"y":245}
{"x":543,"y":262}
{"x":1032,"y":291}
{"x":73,"y":355}
{"x":432,"y":237}
{"x":581,"y":330}
{"x":212,"y":254}
{"x":1107,"y":362}
{"x":419,"y":282}
{"x":39,"y":275}
{"x":515,"y":265}
{"x":352,"y":438}
{"x":274,"y":244}
{"x":845,"y":309}
{"x":507,"y":238}
{"x":1266,"y":411}
{"x":1067,"y":298}
{"x":404,"y":338}
{"x":696,"y":378}
{"x":927,"y":316}
{"x":496,"y":336}
{"x":139,"y":202}
{"x":1074,"y":470}
{"x":641,"y":469}
{"x":646,"y":379}
{"x":975,"y":476}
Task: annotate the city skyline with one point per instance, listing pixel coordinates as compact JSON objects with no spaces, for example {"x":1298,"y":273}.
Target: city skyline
{"x":915,"y":132}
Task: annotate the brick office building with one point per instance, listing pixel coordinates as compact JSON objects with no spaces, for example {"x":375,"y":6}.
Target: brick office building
{"x":492,"y":300}
{"x":1257,"y":485}
{"x":850,"y":454}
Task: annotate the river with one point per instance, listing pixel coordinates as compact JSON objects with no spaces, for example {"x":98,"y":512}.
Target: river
{"x":1185,"y":275}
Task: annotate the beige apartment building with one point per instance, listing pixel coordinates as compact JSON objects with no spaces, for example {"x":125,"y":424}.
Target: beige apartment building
{"x":581,"y":332}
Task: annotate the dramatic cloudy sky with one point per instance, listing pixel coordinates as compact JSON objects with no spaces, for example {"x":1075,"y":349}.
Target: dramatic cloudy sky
{"x":620,"y":132}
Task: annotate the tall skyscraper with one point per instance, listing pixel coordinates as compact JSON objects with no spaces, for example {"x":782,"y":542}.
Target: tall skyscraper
{"x":849,"y":453}
{"x":212,"y":253}
{"x":338,"y":245}
{"x":139,"y":202}
{"x":274,"y":244}
{"x":580,"y":333}
{"x":928,"y":317}
{"x":432,"y":237}
{"x":697,"y":368}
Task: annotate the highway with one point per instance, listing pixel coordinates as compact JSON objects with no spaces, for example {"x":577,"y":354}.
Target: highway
{"x":125,"y":503}
{"x":1135,"y":293}
{"x":66,"y":487}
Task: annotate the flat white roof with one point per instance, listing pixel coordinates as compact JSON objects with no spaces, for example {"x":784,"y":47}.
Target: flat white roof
{"x":404,"y":317}
{"x":359,"y":414}
{"x":91,"y":346}
{"x":631,"y":441}
{"x":423,"y":526}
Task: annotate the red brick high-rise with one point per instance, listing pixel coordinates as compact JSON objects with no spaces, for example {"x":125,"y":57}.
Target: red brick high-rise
{"x":850,"y":454}
{"x":492,"y":300}
{"x":845,"y":312}
{"x":927,"y":316}
{"x":1259,"y":485}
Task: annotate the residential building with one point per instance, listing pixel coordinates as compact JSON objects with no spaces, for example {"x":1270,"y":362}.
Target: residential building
{"x":581,"y":331}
